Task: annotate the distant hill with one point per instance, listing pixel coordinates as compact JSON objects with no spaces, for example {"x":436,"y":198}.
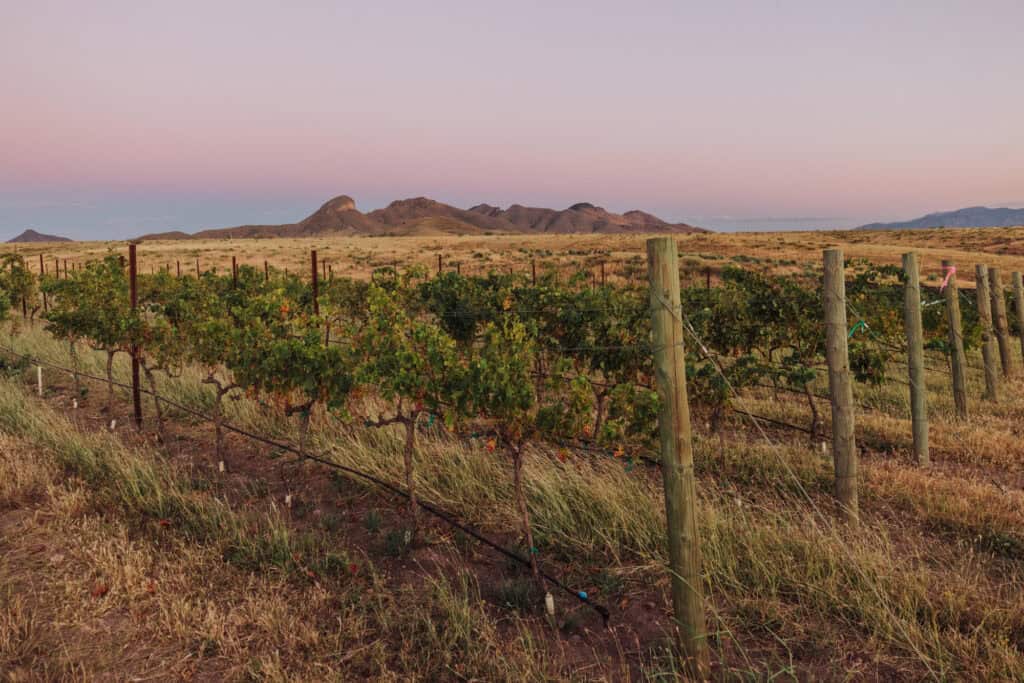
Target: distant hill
{"x":423,"y":216}
{"x":971,"y":217}
{"x":582,"y":217}
{"x":33,"y":236}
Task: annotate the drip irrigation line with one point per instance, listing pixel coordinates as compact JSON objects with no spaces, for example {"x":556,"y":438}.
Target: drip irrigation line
{"x":443,"y":515}
{"x":773,"y":421}
{"x":790,"y":390}
{"x":607,"y":452}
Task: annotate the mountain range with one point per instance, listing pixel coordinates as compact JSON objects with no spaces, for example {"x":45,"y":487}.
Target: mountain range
{"x":423,"y":216}
{"x":33,"y":236}
{"x":971,"y":217}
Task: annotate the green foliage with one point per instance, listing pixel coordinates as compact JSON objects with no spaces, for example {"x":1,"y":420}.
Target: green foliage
{"x":17,"y":284}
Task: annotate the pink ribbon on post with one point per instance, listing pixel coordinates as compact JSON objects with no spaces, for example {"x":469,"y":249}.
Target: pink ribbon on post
{"x":950,"y":272}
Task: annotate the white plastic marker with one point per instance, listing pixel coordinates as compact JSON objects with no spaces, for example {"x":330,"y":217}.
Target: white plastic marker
{"x":39,"y":378}
{"x":288,"y":501}
{"x":74,"y":403}
{"x":549,"y":604}
{"x":950,"y":272}
{"x":113,"y":424}
{"x":220,"y":466}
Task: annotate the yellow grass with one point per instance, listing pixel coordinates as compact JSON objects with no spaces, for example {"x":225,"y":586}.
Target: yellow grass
{"x":357,"y":256}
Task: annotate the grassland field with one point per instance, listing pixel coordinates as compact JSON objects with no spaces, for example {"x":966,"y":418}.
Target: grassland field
{"x":124,"y":556}
{"x":778,"y":252}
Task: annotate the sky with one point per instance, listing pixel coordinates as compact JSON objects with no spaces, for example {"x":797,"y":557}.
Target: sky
{"x":119,"y":118}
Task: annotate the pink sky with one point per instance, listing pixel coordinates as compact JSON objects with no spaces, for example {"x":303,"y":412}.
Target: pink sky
{"x":125,"y":114}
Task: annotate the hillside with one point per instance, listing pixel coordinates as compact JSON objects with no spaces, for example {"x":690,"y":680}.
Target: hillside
{"x":971,"y":217}
{"x":423,"y":216}
{"x":33,"y":236}
{"x":583,"y":218}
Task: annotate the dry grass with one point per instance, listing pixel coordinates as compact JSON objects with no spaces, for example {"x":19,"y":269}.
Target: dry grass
{"x":779,"y":252}
{"x":99,"y":584}
{"x":930,"y":587}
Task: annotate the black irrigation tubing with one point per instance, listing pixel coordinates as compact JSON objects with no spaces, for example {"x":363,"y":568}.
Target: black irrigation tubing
{"x":773,"y":421}
{"x":443,"y":515}
{"x":821,"y":397}
{"x":607,"y":452}
{"x":791,"y":390}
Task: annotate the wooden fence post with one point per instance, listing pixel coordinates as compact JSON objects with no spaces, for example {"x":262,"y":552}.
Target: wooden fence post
{"x":999,"y":322}
{"x":844,"y":447}
{"x":438,"y":264}
{"x":915,"y":357}
{"x":988,"y":342}
{"x":177,"y":265}
{"x":316,"y":284}
{"x":956,"y":340}
{"x":1018,"y":301}
{"x":266,"y":271}
{"x":134,"y":294}
{"x":677,"y":454}
{"x":234,"y":272}
{"x":198,"y":273}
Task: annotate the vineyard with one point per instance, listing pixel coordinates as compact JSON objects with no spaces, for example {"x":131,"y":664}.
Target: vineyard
{"x":819,"y":528}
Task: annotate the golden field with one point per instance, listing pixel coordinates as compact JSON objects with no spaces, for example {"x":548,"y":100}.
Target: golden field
{"x":623,"y":254}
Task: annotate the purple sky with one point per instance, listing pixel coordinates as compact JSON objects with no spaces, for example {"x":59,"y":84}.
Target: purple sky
{"x":127,"y":117}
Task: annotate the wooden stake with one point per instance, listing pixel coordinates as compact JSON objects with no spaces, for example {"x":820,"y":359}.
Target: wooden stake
{"x":844,"y":446}
{"x":39,"y":379}
{"x":677,"y":454}
{"x":134,"y":294}
{"x":1018,"y":301}
{"x":178,"y":266}
{"x":438,"y":264}
{"x":999,"y":322}
{"x":988,"y":342}
{"x":316,"y":284}
{"x":198,"y":274}
{"x":533,"y":270}
{"x":266,"y":271}
{"x":956,"y":341}
{"x":234,"y":272}
{"x":915,"y":357}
